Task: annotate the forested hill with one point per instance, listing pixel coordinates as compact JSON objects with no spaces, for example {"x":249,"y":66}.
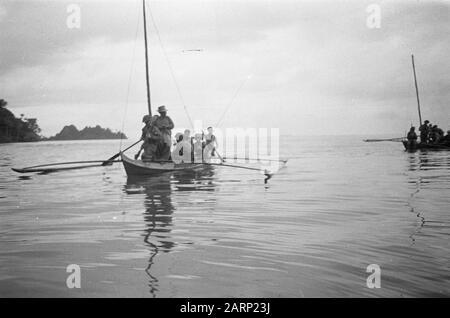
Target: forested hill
{"x":14,"y":129}
{"x":72,"y":133}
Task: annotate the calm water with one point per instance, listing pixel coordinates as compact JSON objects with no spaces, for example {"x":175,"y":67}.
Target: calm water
{"x":339,"y":205}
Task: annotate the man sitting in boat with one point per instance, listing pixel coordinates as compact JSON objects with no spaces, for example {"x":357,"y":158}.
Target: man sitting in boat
{"x":198,"y":145}
{"x":412,"y":137}
{"x":165,"y":124}
{"x":436,"y":134}
{"x":178,"y":138}
{"x":182,"y":151}
{"x":187,"y":135}
{"x":424,"y":132}
{"x":210,"y":142}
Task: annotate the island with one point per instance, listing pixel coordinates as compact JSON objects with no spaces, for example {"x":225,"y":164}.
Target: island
{"x":13,"y":129}
{"x":72,"y":133}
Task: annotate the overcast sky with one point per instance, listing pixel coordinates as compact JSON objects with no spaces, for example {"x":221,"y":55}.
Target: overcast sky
{"x":306,"y":67}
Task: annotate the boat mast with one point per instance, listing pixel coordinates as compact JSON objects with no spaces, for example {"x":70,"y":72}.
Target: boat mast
{"x":417,"y":90}
{"x":146,"y":62}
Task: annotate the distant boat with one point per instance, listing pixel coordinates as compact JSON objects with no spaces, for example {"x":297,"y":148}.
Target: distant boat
{"x":421,"y":145}
{"x":424,"y":146}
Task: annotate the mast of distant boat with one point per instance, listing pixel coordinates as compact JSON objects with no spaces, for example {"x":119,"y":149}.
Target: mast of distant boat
{"x":146,"y":61}
{"x":417,"y":90}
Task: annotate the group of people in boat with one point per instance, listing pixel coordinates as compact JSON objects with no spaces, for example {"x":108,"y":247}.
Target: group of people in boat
{"x":429,"y":134}
{"x":199,"y":148}
{"x":157,"y":141}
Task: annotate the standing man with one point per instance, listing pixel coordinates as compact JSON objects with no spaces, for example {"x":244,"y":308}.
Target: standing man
{"x":151,"y":136}
{"x":165,"y":124}
{"x":412,"y":137}
{"x":424,"y":132}
{"x":146,"y":120}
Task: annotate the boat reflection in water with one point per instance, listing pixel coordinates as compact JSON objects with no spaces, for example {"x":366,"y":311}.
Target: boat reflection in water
{"x":428,"y":170}
{"x":159,"y":207}
{"x":438,"y":161}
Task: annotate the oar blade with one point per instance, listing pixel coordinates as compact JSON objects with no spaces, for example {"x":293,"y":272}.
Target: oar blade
{"x":109,"y":161}
{"x":18,"y":170}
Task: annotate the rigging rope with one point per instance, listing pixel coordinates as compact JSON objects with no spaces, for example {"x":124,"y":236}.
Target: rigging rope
{"x":231,"y":101}
{"x":172,"y":73}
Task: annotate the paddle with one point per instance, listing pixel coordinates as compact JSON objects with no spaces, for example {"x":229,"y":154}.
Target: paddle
{"x":108,"y":162}
{"x":214,"y":149}
{"x":218,"y":155}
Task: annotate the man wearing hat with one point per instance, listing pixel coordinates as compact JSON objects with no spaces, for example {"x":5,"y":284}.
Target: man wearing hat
{"x":165,"y":124}
{"x":424,"y":132}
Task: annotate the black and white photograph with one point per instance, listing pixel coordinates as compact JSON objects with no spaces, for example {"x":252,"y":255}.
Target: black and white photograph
{"x":249,"y":150}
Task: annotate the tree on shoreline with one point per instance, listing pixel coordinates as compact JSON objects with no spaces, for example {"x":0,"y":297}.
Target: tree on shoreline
{"x":14,"y":129}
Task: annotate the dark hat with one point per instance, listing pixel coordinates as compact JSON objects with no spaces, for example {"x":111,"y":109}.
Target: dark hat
{"x":162,"y":109}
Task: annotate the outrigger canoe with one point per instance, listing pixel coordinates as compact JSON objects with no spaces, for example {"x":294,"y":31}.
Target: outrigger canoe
{"x":423,"y":146}
{"x":146,"y":168}
{"x":136,"y":168}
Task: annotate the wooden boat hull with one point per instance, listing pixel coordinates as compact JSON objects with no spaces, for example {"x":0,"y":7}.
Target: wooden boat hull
{"x":422,"y":146}
{"x":142,"y":168}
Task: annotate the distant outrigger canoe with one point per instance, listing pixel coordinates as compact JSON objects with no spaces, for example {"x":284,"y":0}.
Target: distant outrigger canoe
{"x":424,"y":146}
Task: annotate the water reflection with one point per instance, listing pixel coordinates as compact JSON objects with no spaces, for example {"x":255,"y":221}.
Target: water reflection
{"x":159,"y":208}
{"x":426,"y":169}
{"x":429,"y":160}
